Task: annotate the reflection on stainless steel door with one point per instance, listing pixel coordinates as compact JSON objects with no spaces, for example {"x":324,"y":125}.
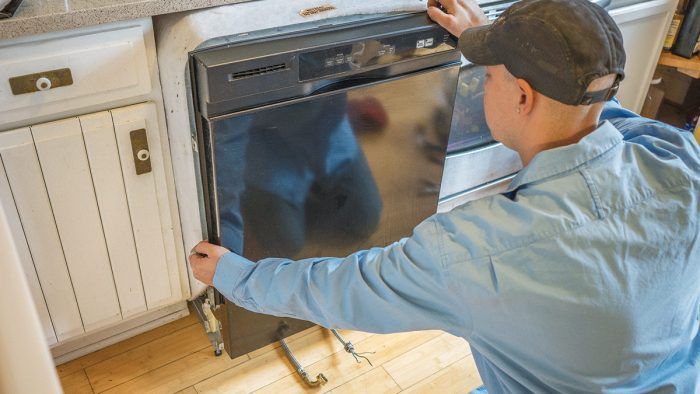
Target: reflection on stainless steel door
{"x":479,"y":192}
{"x":329,"y":175}
{"x":474,"y":158}
{"x":469,"y":129}
{"x":470,"y":169}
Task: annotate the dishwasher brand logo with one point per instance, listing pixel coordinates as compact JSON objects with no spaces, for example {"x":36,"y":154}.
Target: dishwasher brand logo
{"x":317,"y":10}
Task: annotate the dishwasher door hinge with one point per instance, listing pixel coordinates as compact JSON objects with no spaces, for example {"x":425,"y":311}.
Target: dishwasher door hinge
{"x":205,"y":305}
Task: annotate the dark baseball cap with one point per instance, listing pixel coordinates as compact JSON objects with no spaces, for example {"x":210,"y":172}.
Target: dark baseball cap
{"x":558,"y":46}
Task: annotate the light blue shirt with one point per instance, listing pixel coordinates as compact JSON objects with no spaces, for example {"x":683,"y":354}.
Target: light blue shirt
{"x":584,"y":277}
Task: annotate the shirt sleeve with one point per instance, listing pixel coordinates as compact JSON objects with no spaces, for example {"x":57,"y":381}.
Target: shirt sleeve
{"x":658,"y":137}
{"x":402,"y":287}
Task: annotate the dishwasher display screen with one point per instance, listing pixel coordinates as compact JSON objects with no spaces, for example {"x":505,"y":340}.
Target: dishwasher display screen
{"x":368,"y":53}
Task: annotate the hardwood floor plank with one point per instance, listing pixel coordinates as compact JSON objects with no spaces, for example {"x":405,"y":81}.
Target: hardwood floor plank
{"x":273,"y":365}
{"x":376,"y":381}
{"x":135,"y":362}
{"x":340,"y":367}
{"x":460,"y":377}
{"x":76,"y":383}
{"x":427,"y":359}
{"x":88,"y":360}
{"x":189,"y":390}
{"x":180,"y":374}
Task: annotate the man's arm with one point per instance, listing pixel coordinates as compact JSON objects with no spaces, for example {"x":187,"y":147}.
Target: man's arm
{"x":402,"y":287}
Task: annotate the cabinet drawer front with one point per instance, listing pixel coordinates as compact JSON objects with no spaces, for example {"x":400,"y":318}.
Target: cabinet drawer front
{"x":103,"y":155}
{"x":64,"y":162}
{"x":160,"y":277}
{"x":103,"y":67}
{"x":8,"y":206}
{"x":27,"y":184}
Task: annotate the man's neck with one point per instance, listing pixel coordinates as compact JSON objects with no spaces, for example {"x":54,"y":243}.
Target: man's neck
{"x":556,"y":134}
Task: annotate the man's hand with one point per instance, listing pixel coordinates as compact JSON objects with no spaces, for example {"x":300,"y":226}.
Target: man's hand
{"x":203,"y":260}
{"x":456,"y":15}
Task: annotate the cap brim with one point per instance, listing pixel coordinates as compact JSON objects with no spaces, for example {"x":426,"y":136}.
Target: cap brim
{"x":474,"y":45}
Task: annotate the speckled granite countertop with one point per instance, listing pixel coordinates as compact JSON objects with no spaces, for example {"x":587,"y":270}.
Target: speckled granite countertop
{"x":43,"y":16}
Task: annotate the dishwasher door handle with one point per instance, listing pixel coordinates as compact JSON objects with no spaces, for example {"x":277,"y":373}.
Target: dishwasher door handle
{"x":345,"y":84}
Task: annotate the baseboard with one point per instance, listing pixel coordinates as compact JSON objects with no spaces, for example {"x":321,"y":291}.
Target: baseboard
{"x":88,"y":343}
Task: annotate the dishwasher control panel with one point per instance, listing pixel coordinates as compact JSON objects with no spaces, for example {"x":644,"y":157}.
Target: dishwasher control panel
{"x":372,"y":52}
{"x":264,"y":68}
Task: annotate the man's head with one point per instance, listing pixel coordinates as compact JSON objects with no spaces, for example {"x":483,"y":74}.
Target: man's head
{"x":520,"y":117}
{"x":551,"y":65}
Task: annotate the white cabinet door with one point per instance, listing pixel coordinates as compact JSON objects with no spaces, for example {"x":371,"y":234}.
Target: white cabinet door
{"x":95,"y":238}
{"x":7,"y":203}
{"x":68,"y":180}
{"x":103,"y":155}
{"x":644,"y":26}
{"x":149,"y":209}
{"x":26,"y":181}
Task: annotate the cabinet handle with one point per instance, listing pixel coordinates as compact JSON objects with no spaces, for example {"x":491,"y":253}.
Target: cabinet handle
{"x":42,"y":81}
{"x":139,"y":148}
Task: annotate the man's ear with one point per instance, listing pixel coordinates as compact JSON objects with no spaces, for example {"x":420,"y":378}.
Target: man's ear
{"x":527,"y":97}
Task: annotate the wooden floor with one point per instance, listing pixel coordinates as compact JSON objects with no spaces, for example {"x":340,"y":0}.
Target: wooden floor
{"x":177,"y":357}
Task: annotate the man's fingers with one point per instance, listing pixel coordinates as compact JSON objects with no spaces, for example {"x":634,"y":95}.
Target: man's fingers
{"x":449,"y":5}
{"x":204,"y":248}
{"x":468,"y":4}
{"x":439,"y":16}
{"x":196,"y":260}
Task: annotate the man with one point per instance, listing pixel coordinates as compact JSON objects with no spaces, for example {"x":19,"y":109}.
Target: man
{"x":583,"y":277}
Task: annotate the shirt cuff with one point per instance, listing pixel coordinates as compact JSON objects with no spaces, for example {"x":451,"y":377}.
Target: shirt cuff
{"x":228,"y":273}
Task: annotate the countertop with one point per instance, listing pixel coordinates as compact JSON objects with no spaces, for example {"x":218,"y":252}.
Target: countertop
{"x":43,"y":16}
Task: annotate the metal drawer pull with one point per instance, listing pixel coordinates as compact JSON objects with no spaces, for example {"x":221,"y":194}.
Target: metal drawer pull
{"x":42,"y":81}
{"x":139,"y":148}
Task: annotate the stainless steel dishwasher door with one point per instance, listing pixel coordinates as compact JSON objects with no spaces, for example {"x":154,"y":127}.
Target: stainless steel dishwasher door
{"x":476,"y":166}
{"x":327,"y":175}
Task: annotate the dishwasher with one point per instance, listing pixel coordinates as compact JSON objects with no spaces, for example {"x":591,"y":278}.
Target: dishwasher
{"x":317,"y":138}
{"x":320,"y":142}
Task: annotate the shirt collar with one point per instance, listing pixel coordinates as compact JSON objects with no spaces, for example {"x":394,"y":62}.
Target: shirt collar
{"x":567,"y":158}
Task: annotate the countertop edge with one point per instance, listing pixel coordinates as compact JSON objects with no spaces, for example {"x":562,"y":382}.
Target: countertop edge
{"x":34,"y":25}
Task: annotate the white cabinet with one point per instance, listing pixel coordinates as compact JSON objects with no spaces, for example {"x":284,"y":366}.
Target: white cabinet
{"x":108,"y":181}
{"x":96,"y":237}
{"x":28,"y":191}
{"x":66,"y":172}
{"x":97,"y":67}
{"x":100,"y":245}
{"x":644,"y":26}
{"x":15,"y":227}
{"x":150,"y":215}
